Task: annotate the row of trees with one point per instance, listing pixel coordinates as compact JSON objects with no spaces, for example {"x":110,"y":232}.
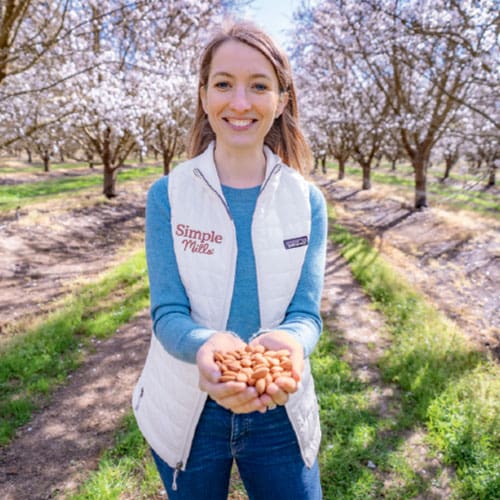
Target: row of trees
{"x":100,"y":78}
{"x":401,"y":78}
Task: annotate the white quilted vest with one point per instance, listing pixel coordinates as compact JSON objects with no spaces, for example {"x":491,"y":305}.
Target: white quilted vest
{"x":167,"y":402}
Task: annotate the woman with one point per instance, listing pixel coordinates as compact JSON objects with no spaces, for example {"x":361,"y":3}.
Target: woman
{"x":235,"y":243}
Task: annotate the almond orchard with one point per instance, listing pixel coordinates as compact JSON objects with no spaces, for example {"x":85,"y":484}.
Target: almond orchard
{"x":400,"y":102}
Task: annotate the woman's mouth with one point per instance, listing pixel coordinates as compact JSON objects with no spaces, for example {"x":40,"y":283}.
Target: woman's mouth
{"x":240,"y":124}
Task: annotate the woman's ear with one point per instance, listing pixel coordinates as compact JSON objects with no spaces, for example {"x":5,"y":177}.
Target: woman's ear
{"x":282,"y":102}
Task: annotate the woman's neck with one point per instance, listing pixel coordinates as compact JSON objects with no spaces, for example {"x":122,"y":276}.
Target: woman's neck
{"x":240,"y":169}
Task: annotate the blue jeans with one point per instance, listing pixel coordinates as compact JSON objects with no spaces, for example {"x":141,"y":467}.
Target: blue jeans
{"x":264,"y":447}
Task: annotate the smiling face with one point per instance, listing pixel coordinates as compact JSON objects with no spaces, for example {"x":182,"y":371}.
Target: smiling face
{"x":242,"y":97}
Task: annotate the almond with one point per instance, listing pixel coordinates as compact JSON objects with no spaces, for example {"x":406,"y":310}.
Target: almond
{"x":288,"y":384}
{"x":260,"y":385}
{"x":260,"y":372}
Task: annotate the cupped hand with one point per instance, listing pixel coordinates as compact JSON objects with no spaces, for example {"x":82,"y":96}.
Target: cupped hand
{"x":234,"y":396}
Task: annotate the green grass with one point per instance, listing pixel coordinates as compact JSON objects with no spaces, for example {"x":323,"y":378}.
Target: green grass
{"x":12,"y":196}
{"x":126,"y":468}
{"x":464,"y":422}
{"x":446,"y":385}
{"x":34,"y":363}
{"x":456,"y":195}
{"x":37,"y":168}
{"x":355,"y":437}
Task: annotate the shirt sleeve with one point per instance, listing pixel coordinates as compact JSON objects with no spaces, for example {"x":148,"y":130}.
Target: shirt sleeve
{"x":303,"y":319}
{"x":170,"y":308}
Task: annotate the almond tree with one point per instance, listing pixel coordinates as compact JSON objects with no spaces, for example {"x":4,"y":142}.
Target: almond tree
{"x":350,"y":113}
{"x":28,"y":31}
{"x":99,"y":58}
{"x":315,"y":118}
{"x":481,"y":145}
{"x":448,"y":149}
{"x":426,"y":58}
{"x":31,"y":62}
{"x":114,"y":104}
{"x":173,"y":93}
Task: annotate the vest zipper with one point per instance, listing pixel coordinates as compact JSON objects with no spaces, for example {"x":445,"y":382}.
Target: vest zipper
{"x":180,"y":463}
{"x":198,"y":173}
{"x":266,"y":181}
{"x":139,"y":399}
{"x":275,"y":169}
{"x":178,"y":467}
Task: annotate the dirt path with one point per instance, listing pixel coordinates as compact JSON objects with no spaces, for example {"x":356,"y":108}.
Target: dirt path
{"x":52,"y":245}
{"x":452,"y":258}
{"x":53,"y":454}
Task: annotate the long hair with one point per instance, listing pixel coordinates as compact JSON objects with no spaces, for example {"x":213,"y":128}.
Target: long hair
{"x":285,"y":137}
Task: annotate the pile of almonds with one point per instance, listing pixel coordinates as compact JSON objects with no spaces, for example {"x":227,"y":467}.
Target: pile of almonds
{"x":257,"y":366}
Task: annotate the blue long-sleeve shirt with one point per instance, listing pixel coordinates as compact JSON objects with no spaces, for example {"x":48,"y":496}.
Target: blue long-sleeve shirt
{"x":170,"y":308}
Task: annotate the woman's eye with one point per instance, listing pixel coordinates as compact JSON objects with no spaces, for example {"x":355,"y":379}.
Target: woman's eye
{"x":260,"y":87}
{"x":222,"y":85}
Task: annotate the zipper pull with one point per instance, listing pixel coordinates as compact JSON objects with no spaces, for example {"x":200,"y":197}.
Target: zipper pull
{"x":176,"y":471}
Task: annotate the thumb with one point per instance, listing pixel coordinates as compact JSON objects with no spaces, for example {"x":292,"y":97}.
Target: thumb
{"x":207,"y":366}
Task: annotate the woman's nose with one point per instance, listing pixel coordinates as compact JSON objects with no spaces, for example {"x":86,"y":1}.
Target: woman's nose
{"x":239,"y":99}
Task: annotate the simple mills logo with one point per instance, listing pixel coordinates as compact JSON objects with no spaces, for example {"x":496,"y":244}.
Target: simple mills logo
{"x":198,"y":241}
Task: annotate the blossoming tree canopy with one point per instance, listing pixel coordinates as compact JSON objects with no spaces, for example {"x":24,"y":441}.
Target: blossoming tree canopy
{"x":427,"y":61}
{"x":109,"y":75}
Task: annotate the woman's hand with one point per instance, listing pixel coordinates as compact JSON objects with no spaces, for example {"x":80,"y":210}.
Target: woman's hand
{"x":234,"y":396}
{"x":276,"y":340}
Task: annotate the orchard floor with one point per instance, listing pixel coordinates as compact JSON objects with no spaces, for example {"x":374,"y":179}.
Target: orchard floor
{"x":452,"y":258}
{"x":48,"y":248}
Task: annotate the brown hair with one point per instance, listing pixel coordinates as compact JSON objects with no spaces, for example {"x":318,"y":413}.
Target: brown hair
{"x":285,"y":137}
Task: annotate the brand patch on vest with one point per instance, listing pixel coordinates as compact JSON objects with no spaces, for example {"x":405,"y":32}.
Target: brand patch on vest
{"x":301,"y":241}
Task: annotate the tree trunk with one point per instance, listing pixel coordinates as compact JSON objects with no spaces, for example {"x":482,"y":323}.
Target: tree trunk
{"x":393,"y":165}
{"x":316,"y":163}
{"x":30,"y":158}
{"x":110,"y":172}
{"x":367,"y":183}
{"x":323,"y":164}
{"x":90,"y":159}
{"x":167,"y":160}
{"x":46,"y":161}
{"x":420,"y":164}
{"x":109,"y":187}
{"x":447,"y":170}
{"x":341,"y":168}
{"x":492,"y":175}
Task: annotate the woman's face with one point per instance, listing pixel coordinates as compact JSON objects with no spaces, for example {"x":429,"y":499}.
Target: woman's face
{"x":242,"y":97}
